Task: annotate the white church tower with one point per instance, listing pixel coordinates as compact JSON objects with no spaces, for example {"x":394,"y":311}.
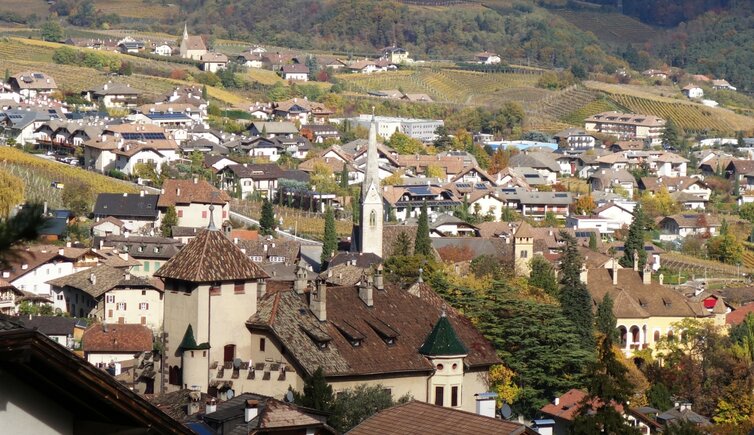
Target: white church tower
{"x":370,"y":228}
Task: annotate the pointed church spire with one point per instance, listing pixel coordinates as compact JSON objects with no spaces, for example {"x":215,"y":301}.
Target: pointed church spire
{"x":372,"y":170}
{"x":185,"y":30}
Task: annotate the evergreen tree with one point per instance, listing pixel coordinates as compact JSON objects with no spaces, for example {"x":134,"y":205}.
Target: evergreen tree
{"x":659,"y":397}
{"x":634,"y":243}
{"x":423,"y":245}
{"x":317,"y":393}
{"x":672,"y":134}
{"x":574,"y":297}
{"x":543,"y":275}
{"x":608,"y":385}
{"x":593,"y":241}
{"x":606,"y":319}
{"x":402,"y":244}
{"x":344,"y":178}
{"x":51,"y":30}
{"x":205,"y":93}
{"x":168,"y":222}
{"x":330,"y":244}
{"x":267,"y":221}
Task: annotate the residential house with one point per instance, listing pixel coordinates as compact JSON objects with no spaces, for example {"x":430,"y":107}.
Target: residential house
{"x":395,"y":55}
{"x":564,"y":410}
{"x":692,"y":91}
{"x":670,"y":165}
{"x":487,"y":58}
{"x":250,"y":60}
{"x":267,"y":250}
{"x":110,"y":295}
{"x":679,"y":226}
{"x":130,"y":45}
{"x":692,"y":192}
{"x":303,"y":110}
{"x":193,"y":201}
{"x":136,"y":213}
{"x":544,"y":163}
{"x":123,"y":147}
{"x":445,"y":225}
{"x":252,"y":179}
{"x":105,"y":344}
{"x":269,"y":148}
{"x":213,"y":62}
{"x":66,"y":331}
{"x":30,"y":268}
{"x":655,"y":73}
{"x":646,"y":310}
{"x":212,"y":288}
{"x":10,"y":297}
{"x":537,"y":205}
{"x":618,"y":215}
{"x":627,"y":126}
{"x":427,"y":419}
{"x":738,"y":168}
{"x":722,"y":84}
{"x":113,"y":95}
{"x":407,"y":201}
{"x":163,"y":49}
{"x":146,"y":253}
{"x":103,"y":227}
{"x":319,"y":133}
{"x":29,"y":84}
{"x":417,"y":164}
{"x":270,"y":130}
{"x":628,"y":145}
{"x":295,"y":72}
{"x":616,"y":181}
{"x":192,"y":47}
{"x":48,"y":389}
{"x":20,"y":125}
{"x":575,"y":139}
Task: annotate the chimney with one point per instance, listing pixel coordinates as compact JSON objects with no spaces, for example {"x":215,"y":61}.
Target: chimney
{"x":24,"y":266}
{"x":584,"y":274}
{"x":196,"y":180}
{"x":485,"y":404}
{"x":556,"y":401}
{"x":178,"y":191}
{"x":44,"y":211}
{"x":366,"y":290}
{"x":636,"y":261}
{"x":251,"y":410}
{"x":211,"y":406}
{"x":141,"y":193}
{"x":318,"y":301}
{"x":61,"y":251}
{"x":646,"y":276}
{"x":6,"y":274}
{"x":379,"y":279}
{"x":299,"y":285}
{"x":661,"y":278}
{"x":262,"y":286}
{"x":127,"y":276}
{"x":615,"y":272}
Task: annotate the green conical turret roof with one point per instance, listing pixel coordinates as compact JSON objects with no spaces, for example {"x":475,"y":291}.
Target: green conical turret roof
{"x":443,"y":341}
{"x":189,"y":342}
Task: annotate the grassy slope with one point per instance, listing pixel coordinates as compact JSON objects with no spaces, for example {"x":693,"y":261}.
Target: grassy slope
{"x":612,"y":28}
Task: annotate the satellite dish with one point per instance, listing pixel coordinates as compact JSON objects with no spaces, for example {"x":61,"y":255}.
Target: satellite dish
{"x":289,"y":396}
{"x":505,"y":411}
{"x":230,"y":393}
{"x":237,"y":363}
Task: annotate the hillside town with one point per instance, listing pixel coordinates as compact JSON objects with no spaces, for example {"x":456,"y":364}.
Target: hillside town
{"x":174,"y":264}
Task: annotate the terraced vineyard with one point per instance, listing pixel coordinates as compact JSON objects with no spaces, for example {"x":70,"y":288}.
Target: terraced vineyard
{"x":676,"y":262}
{"x":138,"y":8}
{"x":446,"y":85}
{"x":560,"y":104}
{"x":11,"y":48}
{"x":690,"y":117}
{"x":611,"y":27}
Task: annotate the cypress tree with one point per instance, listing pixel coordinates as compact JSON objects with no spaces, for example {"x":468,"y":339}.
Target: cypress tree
{"x":205,"y":94}
{"x":574,"y":297}
{"x":330,"y":244}
{"x":608,"y":385}
{"x":344,"y":177}
{"x":267,"y":221}
{"x":423,"y":246}
{"x":593,"y":241}
{"x":635,"y":241}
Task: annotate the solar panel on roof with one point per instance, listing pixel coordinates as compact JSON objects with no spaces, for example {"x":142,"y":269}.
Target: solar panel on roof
{"x":131,"y":136}
{"x":38,"y":75}
{"x":464,"y":185}
{"x":480,"y":186}
{"x":561,"y":195}
{"x":419,"y":190}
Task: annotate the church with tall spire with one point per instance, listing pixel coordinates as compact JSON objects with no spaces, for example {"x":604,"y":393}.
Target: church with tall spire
{"x":192,"y":47}
{"x":371,"y":216}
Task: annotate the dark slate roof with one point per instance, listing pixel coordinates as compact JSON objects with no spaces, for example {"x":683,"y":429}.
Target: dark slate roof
{"x":210,"y":257}
{"x":363,"y":260}
{"x":123,"y":204}
{"x":142,"y":246}
{"x":8,"y":323}
{"x":442,"y":341}
{"x":295,"y":175}
{"x":52,"y":325}
{"x":403,"y":317}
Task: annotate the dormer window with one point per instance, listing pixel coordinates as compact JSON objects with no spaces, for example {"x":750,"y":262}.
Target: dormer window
{"x":385,"y":331}
{"x":350,"y":333}
{"x":318,"y":336}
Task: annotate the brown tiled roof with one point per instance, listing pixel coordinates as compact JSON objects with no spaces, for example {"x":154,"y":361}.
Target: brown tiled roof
{"x":419,"y":418}
{"x":525,"y":230}
{"x":195,"y":42}
{"x":390,"y":234}
{"x":672,"y":183}
{"x":335,"y":165}
{"x":495,"y":229}
{"x":36,"y":256}
{"x":569,"y":405}
{"x":200,"y":192}
{"x":214,"y":57}
{"x":210,"y":257}
{"x":105,"y":279}
{"x":691,"y":220}
{"x":419,"y":163}
{"x":634,"y":299}
{"x":410,"y":318}
{"x":626,"y":118}
{"x":266,"y":248}
{"x":738,"y":315}
{"x":279,"y":415}
{"x":117,"y":338}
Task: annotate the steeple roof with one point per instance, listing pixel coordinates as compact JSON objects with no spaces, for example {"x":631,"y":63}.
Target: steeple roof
{"x":189,"y":342}
{"x":210,"y":257}
{"x":443,"y":341}
{"x":372,"y":173}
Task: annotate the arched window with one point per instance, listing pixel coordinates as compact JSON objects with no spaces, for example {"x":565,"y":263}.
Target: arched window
{"x":635,"y":335}
{"x":670,"y":335}
{"x":372,"y":218}
{"x":657,"y":336}
{"x":623,"y":335}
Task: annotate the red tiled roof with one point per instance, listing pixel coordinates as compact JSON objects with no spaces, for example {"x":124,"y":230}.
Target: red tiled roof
{"x":419,"y":418}
{"x":117,"y":338}
{"x":737,"y":316}
{"x":568,"y":405}
{"x":190,"y":191}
